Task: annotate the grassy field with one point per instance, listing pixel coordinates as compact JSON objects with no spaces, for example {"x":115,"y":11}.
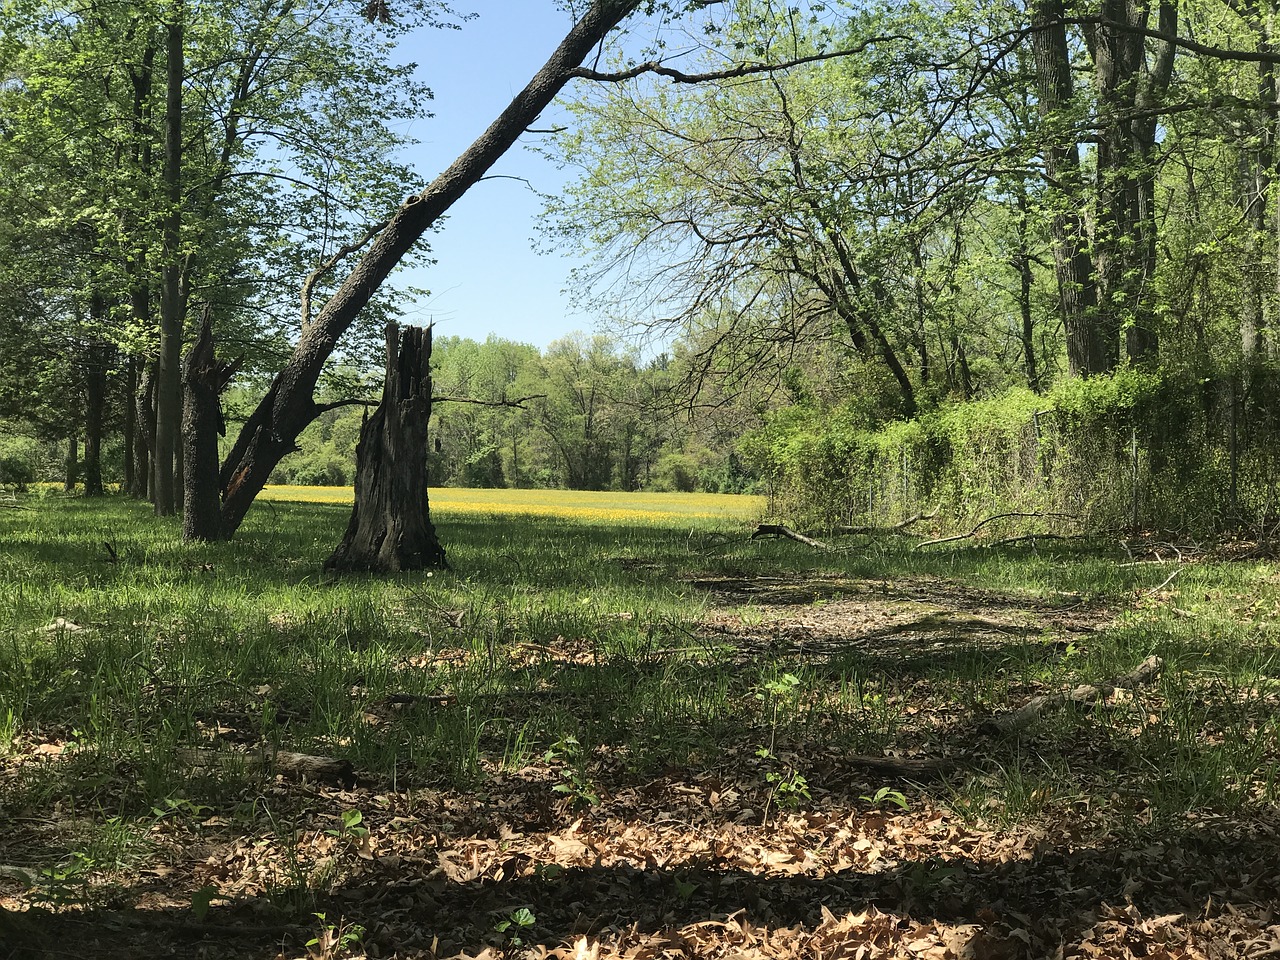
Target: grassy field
{"x":577,"y":505}
{"x":619,"y":726}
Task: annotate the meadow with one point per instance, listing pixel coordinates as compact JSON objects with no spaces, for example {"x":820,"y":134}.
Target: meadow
{"x":619,"y":726}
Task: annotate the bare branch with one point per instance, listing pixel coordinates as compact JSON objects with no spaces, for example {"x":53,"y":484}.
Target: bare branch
{"x":741,"y":70}
{"x":308,"y":285}
{"x":518,"y":403}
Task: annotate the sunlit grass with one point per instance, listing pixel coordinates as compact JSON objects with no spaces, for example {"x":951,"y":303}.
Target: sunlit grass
{"x":581,"y":505}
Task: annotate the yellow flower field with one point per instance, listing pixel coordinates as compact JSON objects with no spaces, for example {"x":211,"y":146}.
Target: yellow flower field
{"x":583,"y":505}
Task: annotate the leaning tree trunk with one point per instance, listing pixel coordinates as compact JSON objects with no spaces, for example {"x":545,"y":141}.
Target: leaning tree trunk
{"x":289,"y":406}
{"x":203,"y":380}
{"x":390,"y":528}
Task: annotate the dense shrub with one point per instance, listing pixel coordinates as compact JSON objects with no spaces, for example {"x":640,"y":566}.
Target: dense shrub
{"x":1166,"y":453}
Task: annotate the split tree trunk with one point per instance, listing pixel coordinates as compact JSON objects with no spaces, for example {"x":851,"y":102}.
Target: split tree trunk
{"x":390,"y":528}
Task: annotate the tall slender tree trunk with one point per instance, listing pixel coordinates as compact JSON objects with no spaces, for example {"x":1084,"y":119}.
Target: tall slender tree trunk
{"x":1022,"y":263}
{"x":172,"y":312}
{"x":95,"y":407}
{"x":1073,"y":263}
{"x":144,"y":441}
{"x":130,"y":426}
{"x":72,"y":476}
{"x":1260,"y":272}
{"x":203,"y":379}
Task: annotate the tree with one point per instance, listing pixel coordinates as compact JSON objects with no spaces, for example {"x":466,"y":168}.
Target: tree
{"x":390,"y":529}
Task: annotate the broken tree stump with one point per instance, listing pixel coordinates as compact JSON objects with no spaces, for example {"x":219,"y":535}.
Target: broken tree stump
{"x":390,"y":528}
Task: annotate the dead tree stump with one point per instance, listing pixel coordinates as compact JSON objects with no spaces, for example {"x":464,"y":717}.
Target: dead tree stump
{"x":390,"y":528}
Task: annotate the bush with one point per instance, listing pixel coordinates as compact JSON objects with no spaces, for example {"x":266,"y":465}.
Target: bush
{"x":16,"y":471}
{"x":1069,"y":452}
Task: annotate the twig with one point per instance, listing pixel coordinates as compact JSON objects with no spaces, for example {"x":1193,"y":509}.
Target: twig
{"x":1167,"y":580}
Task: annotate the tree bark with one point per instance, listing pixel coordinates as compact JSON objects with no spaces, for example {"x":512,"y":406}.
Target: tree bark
{"x":144,"y":441}
{"x":203,"y":380}
{"x":288,"y":407}
{"x":72,"y":464}
{"x":390,"y":528}
{"x":130,"y":427}
{"x":169,"y":375}
{"x":95,"y":393}
{"x":1073,"y":263}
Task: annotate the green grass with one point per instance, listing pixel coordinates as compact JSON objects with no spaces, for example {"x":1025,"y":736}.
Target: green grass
{"x":579,"y":645}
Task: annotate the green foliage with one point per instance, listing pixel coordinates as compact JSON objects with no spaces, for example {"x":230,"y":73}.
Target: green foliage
{"x":1069,"y":452}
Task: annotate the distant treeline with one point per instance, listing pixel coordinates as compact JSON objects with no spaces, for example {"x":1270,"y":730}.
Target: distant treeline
{"x":587,"y":413}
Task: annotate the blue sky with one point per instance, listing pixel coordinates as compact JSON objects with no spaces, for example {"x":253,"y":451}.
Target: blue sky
{"x":488,"y":280}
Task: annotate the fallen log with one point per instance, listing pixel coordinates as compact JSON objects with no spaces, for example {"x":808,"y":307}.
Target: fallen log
{"x":1016,"y":720}
{"x":916,"y":769}
{"x":301,"y":766}
{"x":778,"y":530}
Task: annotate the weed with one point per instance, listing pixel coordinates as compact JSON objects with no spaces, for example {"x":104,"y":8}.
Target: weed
{"x":334,"y":939}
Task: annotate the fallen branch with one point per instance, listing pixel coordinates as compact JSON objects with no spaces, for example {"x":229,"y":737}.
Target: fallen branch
{"x":778,"y":530}
{"x":983,"y":523}
{"x":300,"y":765}
{"x":898,"y":527}
{"x":914,"y":768}
{"x":1024,"y":538}
{"x":1015,"y":720}
{"x":1167,"y":580}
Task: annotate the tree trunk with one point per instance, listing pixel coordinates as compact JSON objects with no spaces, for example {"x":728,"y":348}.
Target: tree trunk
{"x":390,"y":528}
{"x":72,"y":476}
{"x":144,"y":441}
{"x":1073,"y":264}
{"x":169,"y":376}
{"x":203,"y":380}
{"x":130,"y":423}
{"x":94,"y":411}
{"x":288,"y":407}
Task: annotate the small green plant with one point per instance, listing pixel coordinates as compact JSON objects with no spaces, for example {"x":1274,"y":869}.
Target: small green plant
{"x":574,"y":782}
{"x":887,"y":795}
{"x":788,"y":787}
{"x":65,"y":884}
{"x":334,"y":939}
{"x":519,"y":922}
{"x":350,"y":826}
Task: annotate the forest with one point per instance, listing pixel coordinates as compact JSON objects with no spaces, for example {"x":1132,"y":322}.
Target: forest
{"x":849,"y":238}
{"x":890,"y":572}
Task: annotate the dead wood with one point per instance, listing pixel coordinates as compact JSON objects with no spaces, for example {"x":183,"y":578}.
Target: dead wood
{"x":778,"y":530}
{"x":992,"y":519}
{"x":1024,"y":538}
{"x":1016,"y":720}
{"x":301,"y":766}
{"x":917,"y":769}
{"x":898,"y":527}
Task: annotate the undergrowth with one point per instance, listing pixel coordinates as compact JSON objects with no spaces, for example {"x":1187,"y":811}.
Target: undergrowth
{"x":581,"y":648}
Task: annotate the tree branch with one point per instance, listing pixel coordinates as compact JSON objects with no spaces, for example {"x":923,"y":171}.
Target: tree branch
{"x":741,"y":70}
{"x":518,"y":403}
{"x":308,"y":285}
